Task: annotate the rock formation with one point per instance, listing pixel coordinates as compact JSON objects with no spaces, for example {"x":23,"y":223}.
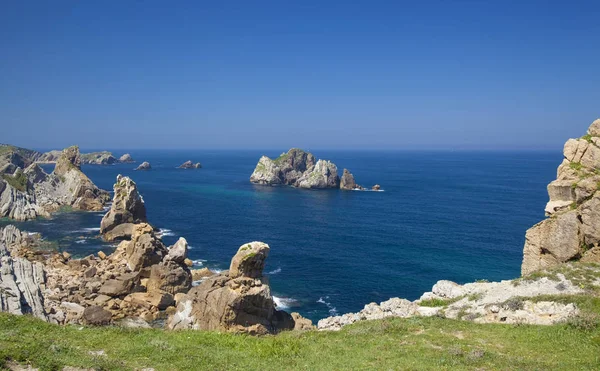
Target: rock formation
{"x":126,"y":159}
{"x":572,"y":231}
{"x":26,"y":194}
{"x":126,"y":210}
{"x":347,"y":181}
{"x":190,"y":165}
{"x":296,"y":168}
{"x":481,"y":302}
{"x":98,"y":158}
{"x":144,"y":166}
{"x":238,"y":300}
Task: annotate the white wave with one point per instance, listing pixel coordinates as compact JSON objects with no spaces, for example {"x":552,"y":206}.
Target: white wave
{"x":87,"y":230}
{"x":216,"y":270}
{"x":191,"y":247}
{"x":331,"y":308}
{"x":80,"y":241}
{"x":198,"y":262}
{"x":278,"y":270}
{"x":165,"y":232}
{"x":284,"y":303}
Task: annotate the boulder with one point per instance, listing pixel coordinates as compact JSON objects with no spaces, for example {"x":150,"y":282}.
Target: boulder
{"x":594,"y":129}
{"x":169,"y":277}
{"x":97,"y":316}
{"x":127,"y":208}
{"x":190,"y":165}
{"x":178,"y":252}
{"x":144,"y":166}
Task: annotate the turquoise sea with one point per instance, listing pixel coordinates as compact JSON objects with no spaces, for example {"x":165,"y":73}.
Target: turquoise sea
{"x":460,"y":216}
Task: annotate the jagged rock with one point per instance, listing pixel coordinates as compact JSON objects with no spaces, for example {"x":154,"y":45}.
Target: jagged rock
{"x":301,"y":323}
{"x":144,"y":166}
{"x":97,"y":316}
{"x":394,"y":307}
{"x":190,"y":165}
{"x":266,"y":172}
{"x":376,"y":187}
{"x":50,"y":157}
{"x":98,"y":158}
{"x":347,"y":181}
{"x":574,"y":208}
{"x":20,"y":279}
{"x":198,"y":274}
{"x":119,"y":286}
{"x":126,"y":159}
{"x":127,"y":209}
{"x":323,"y":175}
{"x":238,"y":302}
{"x":158,"y":300}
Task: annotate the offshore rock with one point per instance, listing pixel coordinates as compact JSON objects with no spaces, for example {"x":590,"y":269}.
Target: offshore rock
{"x":285,"y":169}
{"x":347,"y":181}
{"x":236,"y":302}
{"x":190,"y":165}
{"x":127,"y":209}
{"x":573,"y":229}
{"x":144,"y":166}
{"x":126,"y":159}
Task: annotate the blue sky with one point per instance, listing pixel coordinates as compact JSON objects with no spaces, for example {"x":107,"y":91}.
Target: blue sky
{"x":314,"y":74}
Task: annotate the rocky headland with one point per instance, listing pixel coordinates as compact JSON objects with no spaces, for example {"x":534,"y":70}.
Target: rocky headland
{"x":300,"y":169}
{"x":27,"y":192}
{"x":190,"y":165}
{"x":92,"y":158}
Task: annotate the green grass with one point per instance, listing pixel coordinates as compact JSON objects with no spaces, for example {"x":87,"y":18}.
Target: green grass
{"x":436,"y":302}
{"x":576,"y":166}
{"x":18,"y":181}
{"x":587,"y":137}
{"x":416,"y":343}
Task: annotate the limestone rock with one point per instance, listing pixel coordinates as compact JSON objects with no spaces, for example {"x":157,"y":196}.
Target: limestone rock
{"x":347,"y":181}
{"x":145,"y":248}
{"x":126,"y":159}
{"x":553,"y":241}
{"x":296,"y":168}
{"x":190,"y":165}
{"x":323,"y":175}
{"x":376,"y":187}
{"x":169,"y":277}
{"x":574,"y":208}
{"x":178,"y":252}
{"x":238,"y":302}
{"x":98,"y":158}
{"x":35,"y":174}
{"x":249,"y":260}
{"x":144,"y":166}
{"x":127,"y":209}
{"x":594,"y":129}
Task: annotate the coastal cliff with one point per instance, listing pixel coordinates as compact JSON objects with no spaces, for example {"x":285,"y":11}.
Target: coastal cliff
{"x":572,"y":231}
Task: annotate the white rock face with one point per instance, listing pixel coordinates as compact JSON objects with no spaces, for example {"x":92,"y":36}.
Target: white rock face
{"x":324,"y":175}
{"x":266,"y":172}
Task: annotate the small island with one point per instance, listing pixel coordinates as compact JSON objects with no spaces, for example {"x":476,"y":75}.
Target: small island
{"x":190,"y":165}
{"x":144,"y":166}
{"x":300,"y":169}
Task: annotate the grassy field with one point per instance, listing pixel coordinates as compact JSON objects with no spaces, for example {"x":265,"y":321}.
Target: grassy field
{"x":416,"y":343}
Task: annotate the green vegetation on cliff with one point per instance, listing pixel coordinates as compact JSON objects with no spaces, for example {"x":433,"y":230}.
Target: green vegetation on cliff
{"x":18,"y":181}
{"x":415,"y":343}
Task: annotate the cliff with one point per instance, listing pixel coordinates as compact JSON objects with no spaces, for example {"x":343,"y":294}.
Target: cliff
{"x":572,"y":231}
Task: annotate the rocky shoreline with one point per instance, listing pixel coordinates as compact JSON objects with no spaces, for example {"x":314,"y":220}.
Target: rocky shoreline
{"x":143,"y":280}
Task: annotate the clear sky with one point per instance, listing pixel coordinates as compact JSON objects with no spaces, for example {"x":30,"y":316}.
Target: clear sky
{"x":314,"y":74}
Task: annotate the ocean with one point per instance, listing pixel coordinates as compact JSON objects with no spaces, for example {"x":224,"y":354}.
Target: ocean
{"x":459,"y":216}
